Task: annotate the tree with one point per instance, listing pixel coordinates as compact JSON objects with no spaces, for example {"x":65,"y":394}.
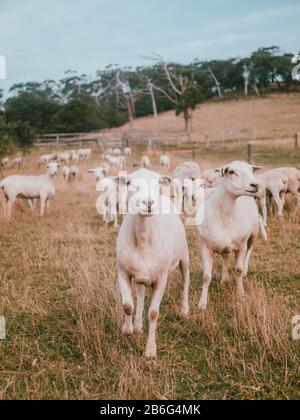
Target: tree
{"x":187,"y":104}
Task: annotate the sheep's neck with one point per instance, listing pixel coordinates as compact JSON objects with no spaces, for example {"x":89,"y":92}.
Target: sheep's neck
{"x":225,"y":201}
{"x":142,"y":231}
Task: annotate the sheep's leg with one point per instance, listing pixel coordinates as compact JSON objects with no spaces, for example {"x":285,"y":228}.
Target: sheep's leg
{"x":42,"y":209}
{"x":240,"y":258}
{"x":207,"y":261}
{"x":158,"y":292}
{"x":127,"y":302}
{"x":138,"y":321}
{"x":30,"y":203}
{"x":263,"y":205}
{"x":9,"y":205}
{"x":185,"y":271}
{"x":225,"y":267}
{"x":279,"y":204}
{"x":48,"y":206}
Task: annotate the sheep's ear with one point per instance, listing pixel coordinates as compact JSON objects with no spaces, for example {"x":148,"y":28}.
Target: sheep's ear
{"x":256,"y":168}
{"x":218,"y":170}
{"x":224,"y":171}
{"x":165,"y":180}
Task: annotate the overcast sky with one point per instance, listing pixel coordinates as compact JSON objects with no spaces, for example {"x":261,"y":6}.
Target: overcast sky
{"x":42,"y":38}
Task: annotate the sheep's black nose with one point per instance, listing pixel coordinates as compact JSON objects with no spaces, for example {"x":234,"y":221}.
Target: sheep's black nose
{"x":254,"y":186}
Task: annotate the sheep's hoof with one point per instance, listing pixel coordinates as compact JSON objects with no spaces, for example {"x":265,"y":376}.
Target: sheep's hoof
{"x":150,"y":354}
{"x":202,"y":307}
{"x":185,"y":313}
{"x":127,"y":330}
{"x":138,"y":330}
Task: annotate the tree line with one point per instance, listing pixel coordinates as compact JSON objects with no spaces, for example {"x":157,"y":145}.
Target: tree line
{"x":78,"y":103}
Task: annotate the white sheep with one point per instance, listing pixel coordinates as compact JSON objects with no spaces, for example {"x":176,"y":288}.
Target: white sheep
{"x":127,"y":151}
{"x":63,"y":157}
{"x":146,"y":163}
{"x":74,"y":157}
{"x":99,"y":172}
{"x":5,"y":161}
{"x":151,"y":243}
{"x":186,"y":182}
{"x":45,"y":159}
{"x":211,"y":177}
{"x":66,"y":172}
{"x":228,"y":221}
{"x":165,"y":162}
{"x":275,"y":183}
{"x":18,"y":162}
{"x":30,"y":188}
{"x":293,"y":175}
{"x":74,"y":172}
{"x":107,"y":204}
{"x":116,"y":152}
{"x":84,"y":154}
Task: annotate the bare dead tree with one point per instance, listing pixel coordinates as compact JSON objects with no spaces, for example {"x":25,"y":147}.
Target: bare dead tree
{"x":217,"y":83}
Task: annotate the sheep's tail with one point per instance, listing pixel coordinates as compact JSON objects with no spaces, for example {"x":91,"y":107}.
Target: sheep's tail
{"x":263,"y":229}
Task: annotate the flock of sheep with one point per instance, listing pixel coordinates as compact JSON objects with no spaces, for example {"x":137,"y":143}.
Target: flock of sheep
{"x":152,"y":241}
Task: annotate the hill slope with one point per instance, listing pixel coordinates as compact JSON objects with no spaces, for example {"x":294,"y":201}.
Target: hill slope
{"x":273,"y":116}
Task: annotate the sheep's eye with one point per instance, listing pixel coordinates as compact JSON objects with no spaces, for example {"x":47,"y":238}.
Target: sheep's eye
{"x":231,"y":172}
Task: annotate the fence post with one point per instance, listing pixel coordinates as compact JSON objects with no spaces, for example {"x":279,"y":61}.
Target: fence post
{"x":57,"y":140}
{"x":194,"y":152}
{"x":297,"y":135}
{"x":250,"y":152}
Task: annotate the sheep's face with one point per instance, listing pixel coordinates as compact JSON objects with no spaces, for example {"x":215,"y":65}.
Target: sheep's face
{"x":144,"y":192}
{"x":99,"y":173}
{"x":239,"y":179}
{"x":53,"y":168}
{"x":211,"y":178}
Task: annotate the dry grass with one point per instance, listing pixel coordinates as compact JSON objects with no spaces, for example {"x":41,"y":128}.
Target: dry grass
{"x":58,"y":294}
{"x":273,"y":116}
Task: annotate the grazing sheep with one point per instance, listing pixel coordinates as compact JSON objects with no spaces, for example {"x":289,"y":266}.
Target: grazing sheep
{"x":293,"y":175}
{"x":99,"y":172}
{"x":84,"y":154}
{"x":45,"y":159}
{"x":66,"y":172}
{"x":165,"y":162}
{"x":186,"y":183}
{"x":108,"y":203}
{"x":30,"y":188}
{"x":63,"y":157}
{"x":228,"y":221}
{"x":211,"y":177}
{"x":74,"y":171}
{"x":151,"y":243}
{"x":275,"y":183}
{"x":146,"y":163}
{"x":127,"y":151}
{"x":74,"y":157}
{"x":18,"y":162}
{"x":117,"y":152}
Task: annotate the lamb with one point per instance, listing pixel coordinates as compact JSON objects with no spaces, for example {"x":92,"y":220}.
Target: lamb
{"x":165,"y":162}
{"x":99,"y":172}
{"x":293,"y":175}
{"x":66,"y":172}
{"x":275,"y":183}
{"x":211,"y":177}
{"x":127,"y":151}
{"x":151,"y":243}
{"x":146,"y":163}
{"x":74,"y":171}
{"x":30,"y":188}
{"x":230,"y":223}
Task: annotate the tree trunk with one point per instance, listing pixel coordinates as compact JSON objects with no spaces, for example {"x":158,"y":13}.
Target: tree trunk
{"x":130,"y":115}
{"x":154,"y":106}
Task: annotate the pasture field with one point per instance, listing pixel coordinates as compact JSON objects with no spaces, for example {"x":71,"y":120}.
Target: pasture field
{"x":63,"y":314}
